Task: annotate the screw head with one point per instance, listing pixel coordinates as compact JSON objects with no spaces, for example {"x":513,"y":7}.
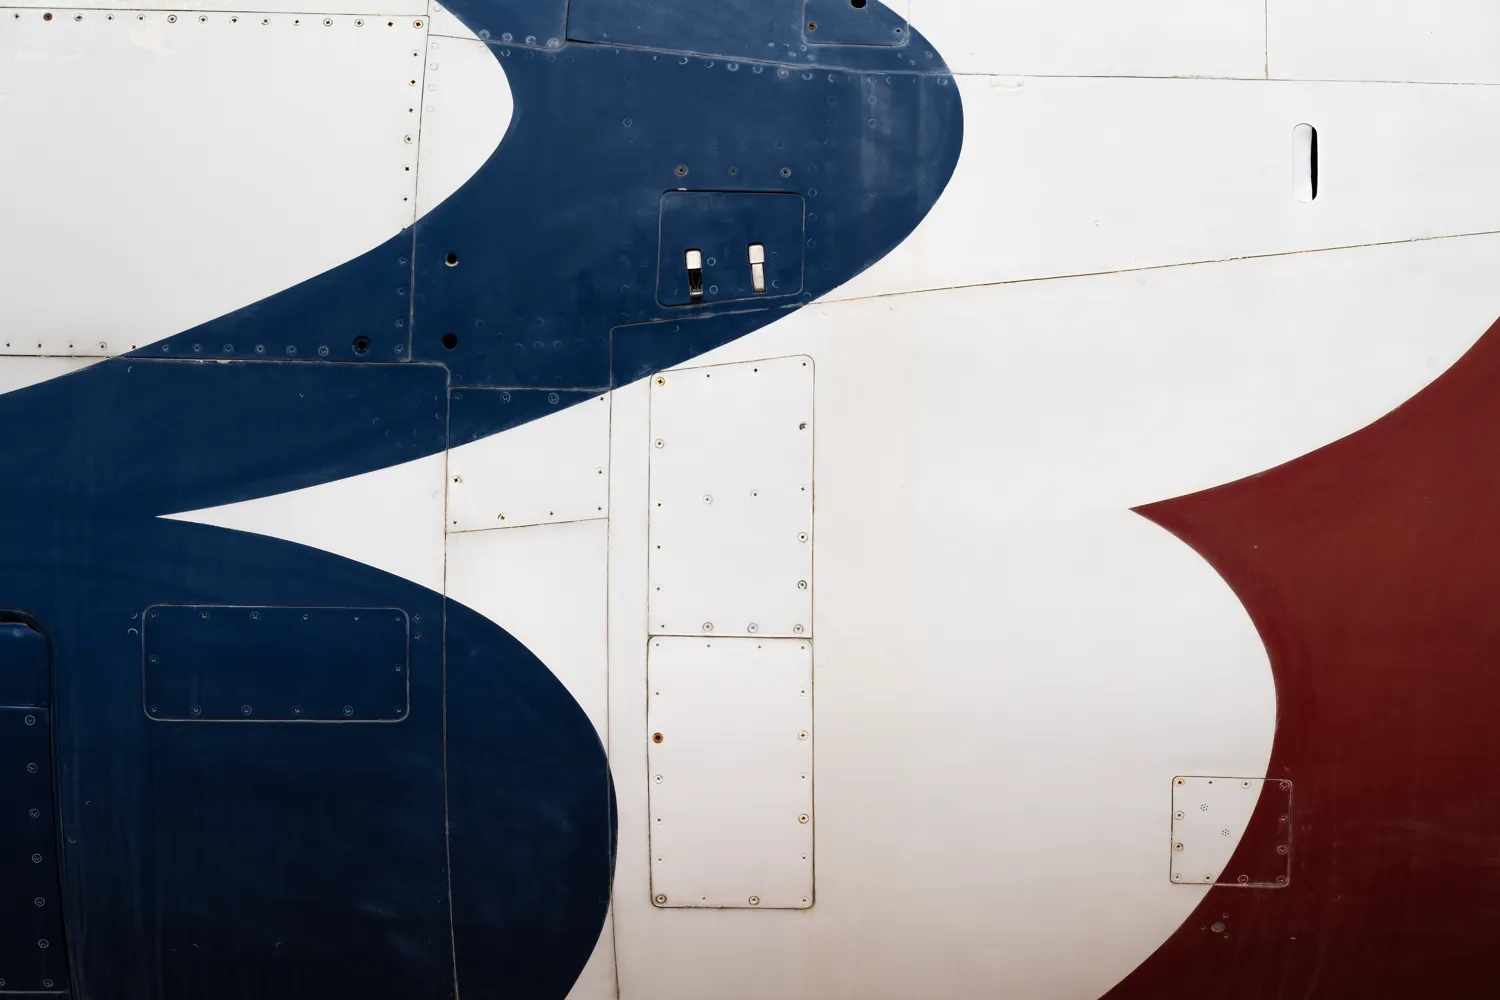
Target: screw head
{"x":801,"y":584}
{"x":754,"y":900}
{"x":708,"y":626}
{"x":803,"y":818}
{"x":1176,"y":847}
{"x":660,"y":380}
{"x":661,"y":899}
{"x":796,"y":629}
{"x":659,"y":442}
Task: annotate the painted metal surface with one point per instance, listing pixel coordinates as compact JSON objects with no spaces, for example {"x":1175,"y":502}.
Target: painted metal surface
{"x":732,"y":499}
{"x":1101,"y":176}
{"x":564,"y":456}
{"x":1209,"y":819}
{"x":1447,"y":41}
{"x":33,"y":949}
{"x":731,"y":762}
{"x":218,"y":193}
{"x":203,"y":663}
{"x":1098,"y":38}
{"x":1380,"y":640}
{"x":721,"y":228}
{"x":994,"y":623}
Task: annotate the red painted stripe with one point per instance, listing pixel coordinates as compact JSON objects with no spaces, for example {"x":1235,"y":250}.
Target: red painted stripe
{"x":1371,"y":568}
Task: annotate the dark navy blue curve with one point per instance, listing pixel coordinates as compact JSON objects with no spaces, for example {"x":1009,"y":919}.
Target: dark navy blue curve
{"x":241,"y":860}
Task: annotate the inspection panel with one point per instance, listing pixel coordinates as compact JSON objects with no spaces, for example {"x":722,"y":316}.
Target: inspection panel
{"x":732,"y":499}
{"x":730,"y":763}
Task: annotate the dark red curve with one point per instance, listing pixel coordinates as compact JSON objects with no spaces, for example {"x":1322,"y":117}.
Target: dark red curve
{"x":1371,"y":568}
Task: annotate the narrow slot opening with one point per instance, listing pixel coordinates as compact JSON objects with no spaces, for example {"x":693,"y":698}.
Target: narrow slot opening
{"x":1305,"y":162}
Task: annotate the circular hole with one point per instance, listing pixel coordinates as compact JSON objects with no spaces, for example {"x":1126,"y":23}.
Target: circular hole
{"x":361,"y":344}
{"x":451,"y":260}
{"x":450,"y":341}
{"x":857,"y":4}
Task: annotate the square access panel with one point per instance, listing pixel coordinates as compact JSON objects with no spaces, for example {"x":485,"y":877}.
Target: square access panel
{"x":720,"y":227}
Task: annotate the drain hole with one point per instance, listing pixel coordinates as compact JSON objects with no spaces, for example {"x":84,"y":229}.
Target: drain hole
{"x":450,"y":341}
{"x":361,"y":344}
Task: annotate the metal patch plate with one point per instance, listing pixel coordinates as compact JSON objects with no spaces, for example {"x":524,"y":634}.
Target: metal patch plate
{"x":1220,"y":837}
{"x":263,"y":664}
{"x":730,"y":757}
{"x":732,"y":499}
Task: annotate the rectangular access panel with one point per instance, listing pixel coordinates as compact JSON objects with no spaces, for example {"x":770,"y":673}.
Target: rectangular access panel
{"x":732,"y":499}
{"x":1230,"y":830}
{"x":266,"y":664}
{"x":720,"y":229}
{"x":730,"y":757}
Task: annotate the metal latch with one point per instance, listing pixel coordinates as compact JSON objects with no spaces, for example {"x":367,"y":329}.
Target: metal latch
{"x":694,"y":261}
{"x":757,"y":267}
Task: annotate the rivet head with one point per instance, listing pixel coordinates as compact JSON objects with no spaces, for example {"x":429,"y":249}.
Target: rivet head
{"x":660,"y":899}
{"x":1217,"y":927}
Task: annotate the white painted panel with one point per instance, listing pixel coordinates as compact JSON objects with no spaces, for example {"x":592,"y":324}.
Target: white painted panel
{"x":1075,"y":176}
{"x":551,"y":469}
{"x":731,"y":772}
{"x":997,"y":631}
{"x":1097,"y":37}
{"x":467,"y":109}
{"x":401,"y":534}
{"x":545,"y":585}
{"x":349,"y":7}
{"x":1451,"y":41}
{"x":146,"y":156}
{"x":1209,"y":816}
{"x":731,"y":499}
